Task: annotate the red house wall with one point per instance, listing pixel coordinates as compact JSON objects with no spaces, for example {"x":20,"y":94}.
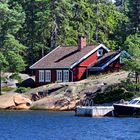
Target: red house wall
{"x":53,"y":77}
{"x":115,"y":66}
{"x":80,"y":69}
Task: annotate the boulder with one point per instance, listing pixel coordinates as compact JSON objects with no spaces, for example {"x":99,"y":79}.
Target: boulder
{"x":14,"y":101}
{"x":6,"y":101}
{"x":19,"y":99}
{"x":22,"y":106}
{"x":28,"y":83}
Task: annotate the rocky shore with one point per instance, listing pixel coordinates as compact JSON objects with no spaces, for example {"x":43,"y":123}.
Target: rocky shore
{"x":61,"y":96}
{"x":15,"y":101}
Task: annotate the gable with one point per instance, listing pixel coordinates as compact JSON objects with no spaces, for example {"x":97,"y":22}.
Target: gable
{"x":90,"y":53}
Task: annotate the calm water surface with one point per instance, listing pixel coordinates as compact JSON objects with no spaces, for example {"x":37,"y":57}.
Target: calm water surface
{"x":44,"y":125}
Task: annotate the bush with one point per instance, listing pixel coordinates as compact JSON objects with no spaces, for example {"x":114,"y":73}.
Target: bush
{"x":22,"y":89}
{"x":112,"y":96}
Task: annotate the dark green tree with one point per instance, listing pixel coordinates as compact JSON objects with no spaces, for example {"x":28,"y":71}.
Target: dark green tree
{"x":134,"y":16}
{"x":11,"y":20}
{"x":132,"y":45}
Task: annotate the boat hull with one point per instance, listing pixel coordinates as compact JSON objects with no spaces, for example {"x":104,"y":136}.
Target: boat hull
{"x":124,"y":110}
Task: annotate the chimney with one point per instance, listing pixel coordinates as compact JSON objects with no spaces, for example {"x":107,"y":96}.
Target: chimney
{"x":81,"y":42}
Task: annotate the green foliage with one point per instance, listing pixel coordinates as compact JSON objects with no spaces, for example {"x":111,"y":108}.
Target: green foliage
{"x":114,"y":95}
{"x":132,"y":44}
{"x":22,"y":89}
{"x":134,"y":16}
{"x":16,"y":76}
{"x":11,"y":20}
{"x":51,"y":23}
{"x":42,"y":25}
{"x":132,"y":64}
{"x":7,"y":89}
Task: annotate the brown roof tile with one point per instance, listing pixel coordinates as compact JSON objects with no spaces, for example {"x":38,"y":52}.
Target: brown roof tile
{"x":62,"y":57}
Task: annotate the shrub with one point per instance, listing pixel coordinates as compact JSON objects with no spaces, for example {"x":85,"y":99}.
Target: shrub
{"x":112,"y":96}
{"x":22,"y":89}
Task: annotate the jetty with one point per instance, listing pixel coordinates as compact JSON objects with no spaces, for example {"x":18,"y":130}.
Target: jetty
{"x":94,"y":111}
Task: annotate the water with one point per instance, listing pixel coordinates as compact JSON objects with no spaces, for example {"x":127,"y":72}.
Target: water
{"x":43,"y":125}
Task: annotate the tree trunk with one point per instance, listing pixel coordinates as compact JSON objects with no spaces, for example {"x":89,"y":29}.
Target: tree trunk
{"x":137,"y":80}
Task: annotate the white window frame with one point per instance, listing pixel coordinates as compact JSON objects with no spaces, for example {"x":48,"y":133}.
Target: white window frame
{"x":59,"y":76}
{"x":47,"y":75}
{"x":100,"y":52}
{"x":66,"y":75}
{"x":41,"y":76}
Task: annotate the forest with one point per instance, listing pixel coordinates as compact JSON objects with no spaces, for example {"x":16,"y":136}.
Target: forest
{"x":29,"y":29}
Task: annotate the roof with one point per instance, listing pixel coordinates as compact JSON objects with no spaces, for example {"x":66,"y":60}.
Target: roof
{"x":62,"y":57}
{"x":65,"y":57}
{"x":107,"y":59}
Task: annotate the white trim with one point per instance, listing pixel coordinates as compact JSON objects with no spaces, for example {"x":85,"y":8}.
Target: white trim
{"x":65,"y":75}
{"x":47,"y":75}
{"x":124,"y":52}
{"x":95,"y":68}
{"x":59,"y":75}
{"x":41,"y":76}
{"x":43,"y":57}
{"x":108,"y":63}
{"x":113,"y":59}
{"x":87,"y":55}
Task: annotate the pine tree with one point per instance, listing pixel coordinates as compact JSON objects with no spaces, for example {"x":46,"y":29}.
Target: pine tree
{"x":11,"y":19}
{"x":134,"y":16}
{"x":132,"y":45}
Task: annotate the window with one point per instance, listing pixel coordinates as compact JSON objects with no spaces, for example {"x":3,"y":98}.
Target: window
{"x":41,"y":75}
{"x":66,"y":76}
{"x":100,"y":52}
{"x":47,"y":76}
{"x":59,"y":75}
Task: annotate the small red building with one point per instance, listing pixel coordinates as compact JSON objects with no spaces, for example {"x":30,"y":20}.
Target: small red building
{"x":73,"y":63}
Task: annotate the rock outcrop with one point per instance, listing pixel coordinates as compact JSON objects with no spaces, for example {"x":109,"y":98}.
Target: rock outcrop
{"x":65,"y":96}
{"x":14,"y":101}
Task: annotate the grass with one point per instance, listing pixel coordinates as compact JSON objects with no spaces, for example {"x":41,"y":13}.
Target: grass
{"x":22,"y":89}
{"x":7,"y":89}
{"x":38,"y":108}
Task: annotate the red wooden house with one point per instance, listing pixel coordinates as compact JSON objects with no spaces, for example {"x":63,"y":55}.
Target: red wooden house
{"x":73,"y":63}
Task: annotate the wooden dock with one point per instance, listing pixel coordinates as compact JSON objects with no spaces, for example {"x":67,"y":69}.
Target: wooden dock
{"x":94,"y":111}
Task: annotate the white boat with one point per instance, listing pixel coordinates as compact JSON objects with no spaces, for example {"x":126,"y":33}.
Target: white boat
{"x":131,"y":108}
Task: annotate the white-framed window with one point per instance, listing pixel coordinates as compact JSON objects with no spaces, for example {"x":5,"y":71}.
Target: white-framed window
{"x":41,"y":75}
{"x":66,"y":75}
{"x":47,"y":76}
{"x":59,"y":76}
{"x":100,"y":52}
